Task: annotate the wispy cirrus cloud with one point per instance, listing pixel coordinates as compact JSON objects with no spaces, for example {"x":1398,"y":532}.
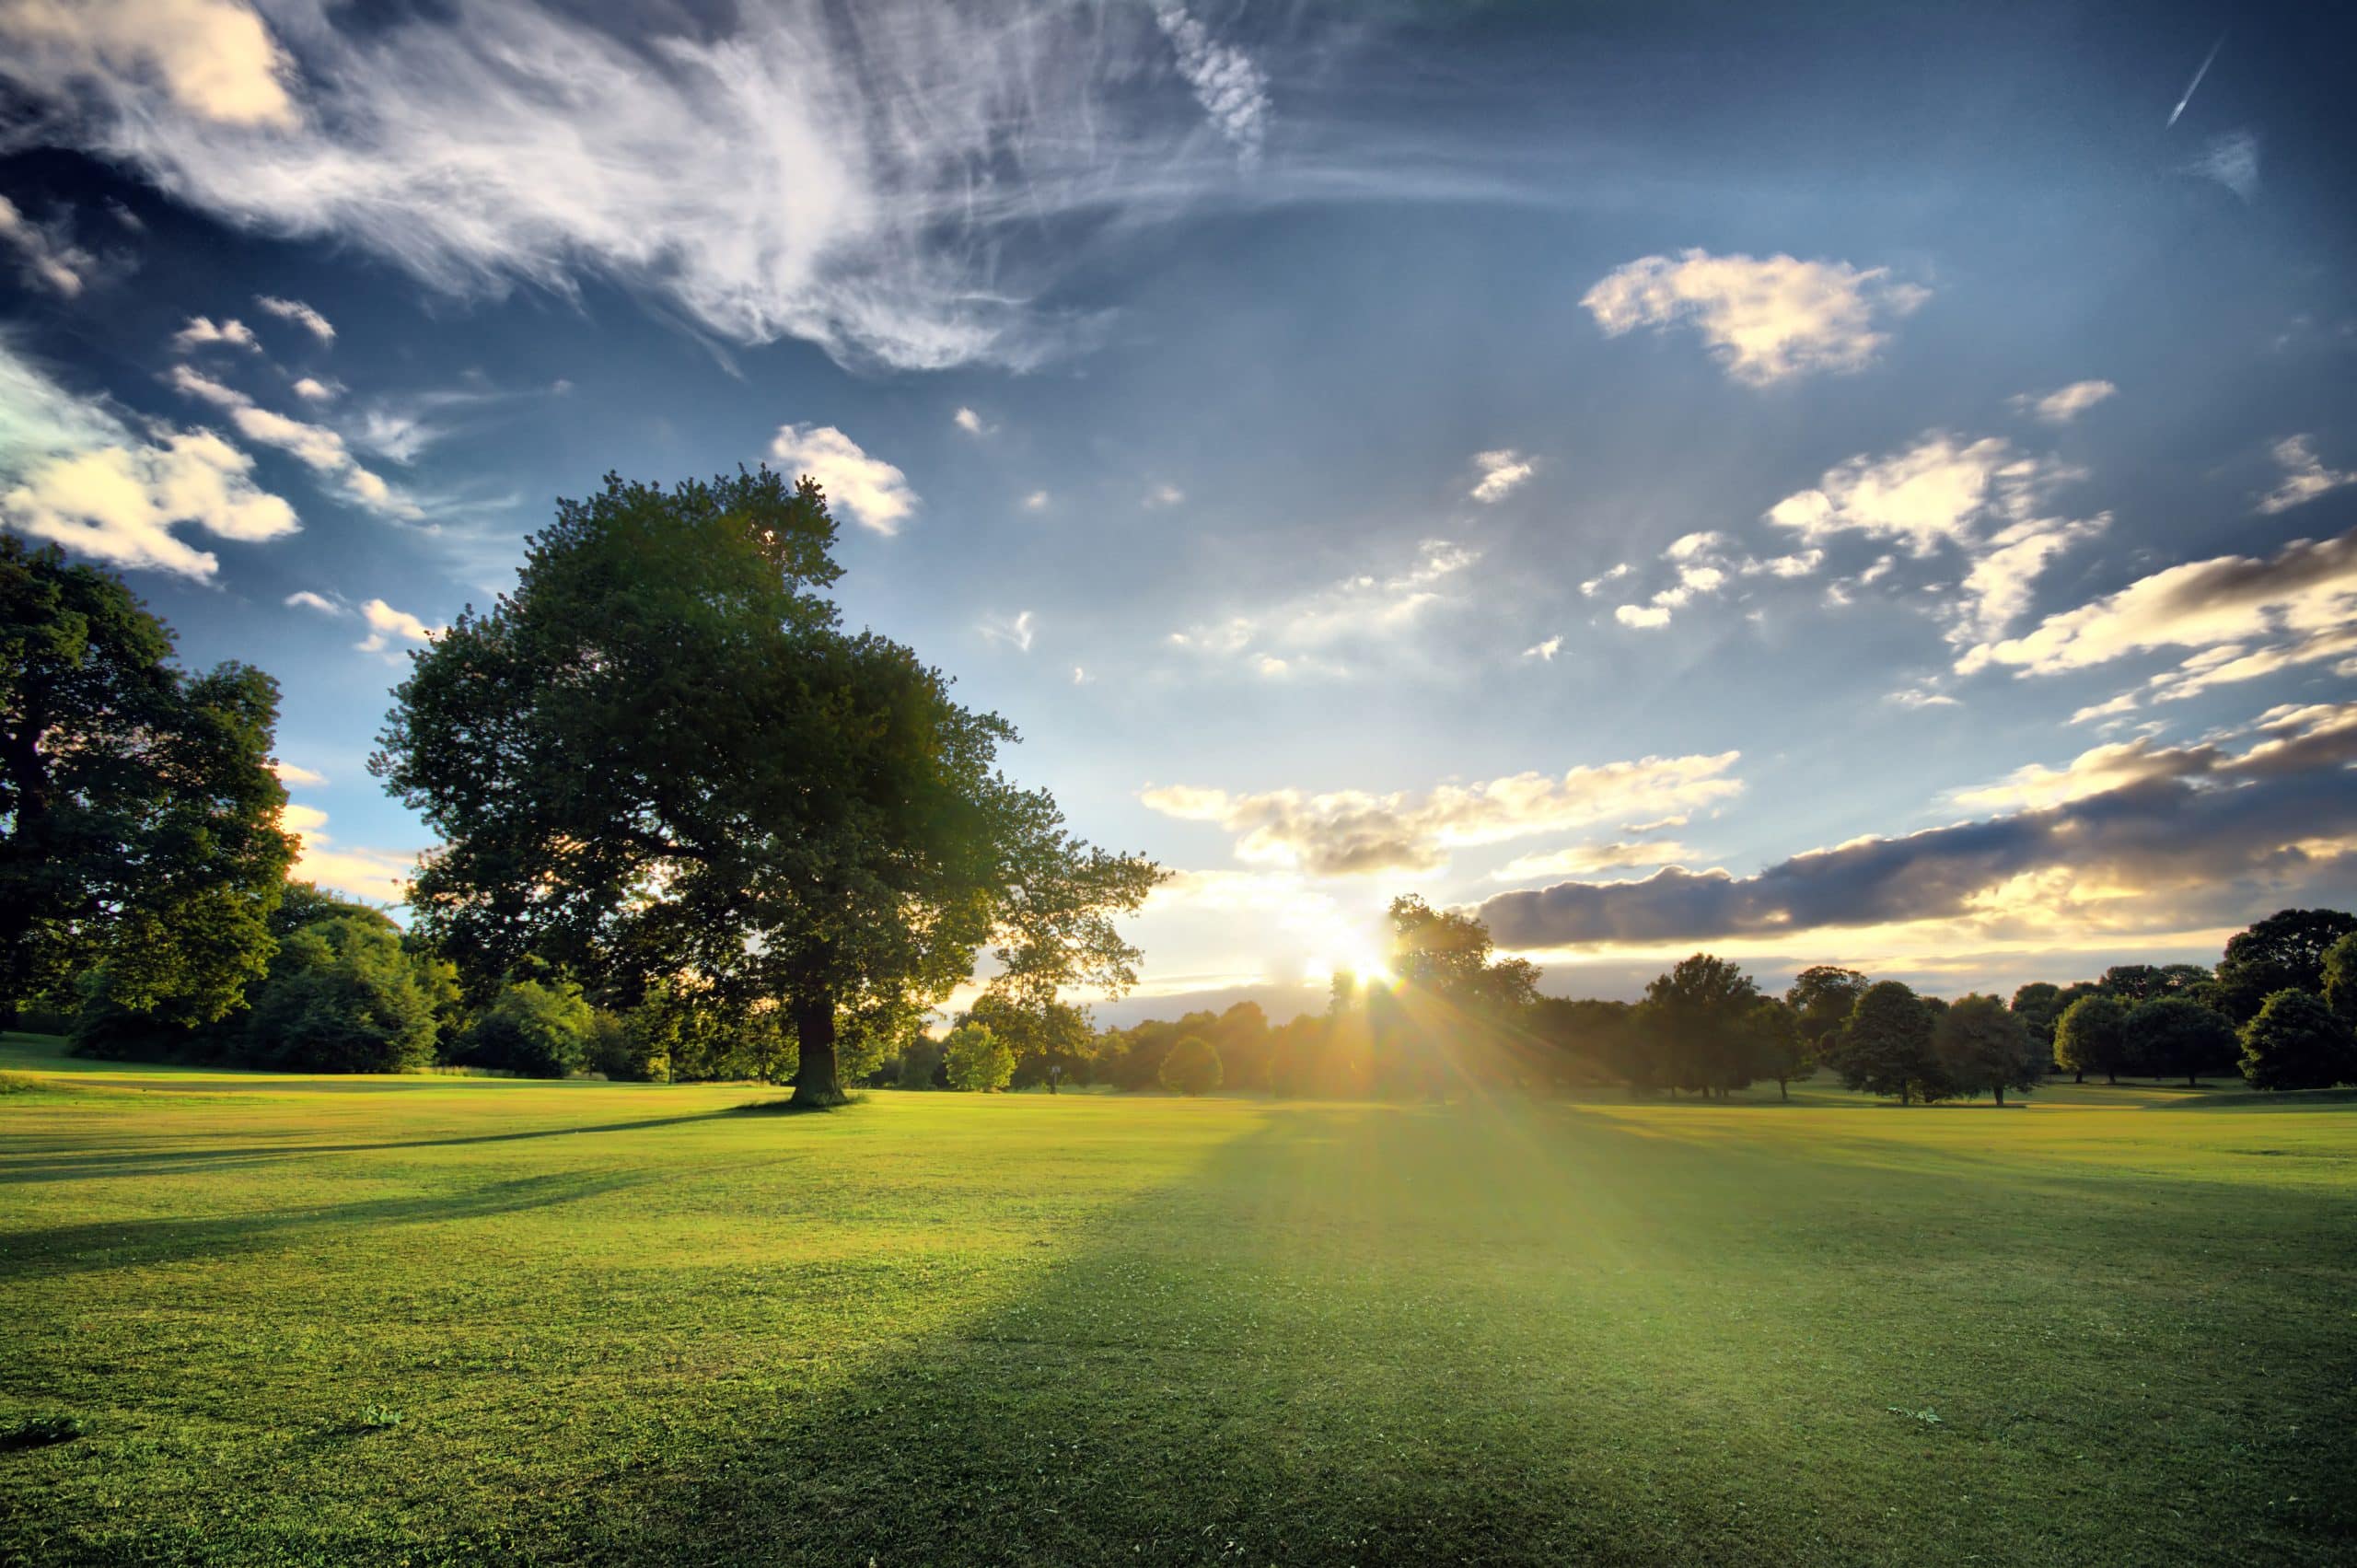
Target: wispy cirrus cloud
{"x":892,"y":146}
{"x":316,"y":447}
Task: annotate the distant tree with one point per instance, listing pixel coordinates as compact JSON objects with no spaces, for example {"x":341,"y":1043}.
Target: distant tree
{"x":1243,"y":1043}
{"x":534,"y":1028}
{"x":2284,"y":952}
{"x":1050,"y":1040}
{"x":1698,"y":1018}
{"x":1983,"y":1045}
{"x":2092,"y":1037}
{"x":1192,"y":1068}
{"x":977,"y":1061}
{"x":660,"y":757}
{"x":1455,"y":1006}
{"x":139,"y":816}
{"x":2294,"y":1042}
{"x":1886,"y":1047}
{"x":1778,"y":1049}
{"x":1585,"y":1041}
{"x":625,"y":1051}
{"x":342,"y":996}
{"x":1821,"y":998}
{"x":920,"y":1063}
{"x":2341,"y":977}
{"x":2170,"y":1035}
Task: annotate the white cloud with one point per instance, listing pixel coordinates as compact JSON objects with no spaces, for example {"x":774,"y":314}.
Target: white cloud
{"x":1545,"y":651}
{"x":379,"y":876}
{"x":1588,"y":588}
{"x":1016,"y":630}
{"x":1232,"y":89}
{"x":2305,"y":476}
{"x":1080,"y":675}
{"x":306,"y":599}
{"x":73,"y":473}
{"x":969,"y":422}
{"x":1642,"y":616}
{"x":2065,"y":404}
{"x":311,"y":389}
{"x":1036,"y":501}
{"x":45,"y":252}
{"x":1366,"y":611}
{"x":2243,"y":616}
{"x":2232,"y":161}
{"x":1921,"y":697}
{"x":202,"y":333}
{"x":1581,"y":860}
{"x":314,"y":446}
{"x":385,"y":624}
{"x":289,"y":772}
{"x":2110,"y":708}
{"x":1164,"y":495}
{"x":214,"y":58}
{"x":1353,"y":833}
{"x":1982,"y":498}
{"x":875,"y":493}
{"x":1502,"y":472}
{"x":841,"y":175}
{"x":1765,"y":320}
{"x":302,"y":315}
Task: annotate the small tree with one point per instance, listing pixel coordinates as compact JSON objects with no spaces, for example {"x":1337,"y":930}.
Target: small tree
{"x":1192,"y":1068}
{"x":978,"y":1061}
{"x":1886,"y":1048}
{"x":2092,"y":1037}
{"x":2174,"y":1034}
{"x":533,"y":1030}
{"x":2297,"y":1042}
{"x":1983,"y":1045}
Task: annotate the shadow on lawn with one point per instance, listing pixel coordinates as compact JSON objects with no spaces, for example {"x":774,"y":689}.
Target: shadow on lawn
{"x":79,"y":1248}
{"x":1297,"y":1355}
{"x":165,"y":1162}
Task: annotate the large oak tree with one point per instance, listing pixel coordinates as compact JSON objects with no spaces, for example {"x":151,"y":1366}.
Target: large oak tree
{"x":661,"y":756}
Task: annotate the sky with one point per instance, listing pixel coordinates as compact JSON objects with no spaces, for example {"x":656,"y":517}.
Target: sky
{"x":1831,"y":483}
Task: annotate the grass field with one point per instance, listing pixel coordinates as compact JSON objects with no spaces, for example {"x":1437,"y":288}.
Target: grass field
{"x":421,"y":1321}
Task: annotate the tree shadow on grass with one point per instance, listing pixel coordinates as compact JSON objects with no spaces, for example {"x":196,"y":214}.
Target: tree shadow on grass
{"x":164,"y":1162}
{"x":80,"y":1248}
{"x":1314,"y":1349}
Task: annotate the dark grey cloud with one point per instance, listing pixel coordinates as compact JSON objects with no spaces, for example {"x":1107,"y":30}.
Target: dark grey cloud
{"x":2284,"y":810}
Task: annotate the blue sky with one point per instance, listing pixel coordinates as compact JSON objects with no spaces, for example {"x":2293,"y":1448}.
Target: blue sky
{"x":1833,"y":486}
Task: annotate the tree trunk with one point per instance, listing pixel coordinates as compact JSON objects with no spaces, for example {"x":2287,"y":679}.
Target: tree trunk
{"x":1782,"y":1092}
{"x":1907,"y":1093}
{"x":2080,"y":1076}
{"x":813,"y":1029}
{"x":2111,"y":1078}
{"x":2000,"y":1097}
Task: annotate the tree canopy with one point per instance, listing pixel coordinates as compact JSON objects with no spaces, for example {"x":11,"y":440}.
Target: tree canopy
{"x":1983,"y":1046}
{"x":1886,"y":1046}
{"x":139,"y":816}
{"x":660,"y":756}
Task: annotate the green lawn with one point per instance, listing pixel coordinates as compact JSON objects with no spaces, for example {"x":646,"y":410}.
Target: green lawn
{"x":623,"y":1323}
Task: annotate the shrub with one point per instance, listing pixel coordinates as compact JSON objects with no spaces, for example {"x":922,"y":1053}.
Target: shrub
{"x":2170,"y":1035}
{"x":533,"y":1030}
{"x":978,"y":1061}
{"x":2092,"y":1037}
{"x":1192,"y":1068}
{"x":2294,"y":1042}
{"x":624,"y":1051}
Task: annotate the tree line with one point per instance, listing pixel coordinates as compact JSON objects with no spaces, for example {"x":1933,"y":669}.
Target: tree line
{"x":2279,"y":1008}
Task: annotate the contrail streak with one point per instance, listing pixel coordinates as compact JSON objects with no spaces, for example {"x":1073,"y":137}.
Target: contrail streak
{"x":2197,"y":79}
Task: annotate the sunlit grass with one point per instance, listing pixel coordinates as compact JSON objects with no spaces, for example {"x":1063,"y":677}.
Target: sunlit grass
{"x":359,"y":1320}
